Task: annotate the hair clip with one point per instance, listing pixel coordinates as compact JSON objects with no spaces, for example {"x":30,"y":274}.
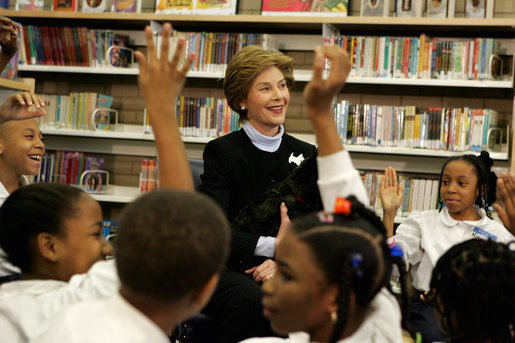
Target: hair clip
{"x":343,"y":206}
{"x":355,"y":262}
{"x":396,"y":251}
{"x":325,"y":217}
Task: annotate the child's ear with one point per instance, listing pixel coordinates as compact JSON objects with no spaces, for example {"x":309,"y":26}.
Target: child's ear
{"x":202,"y":295}
{"x":331,"y":298}
{"x":48,"y":246}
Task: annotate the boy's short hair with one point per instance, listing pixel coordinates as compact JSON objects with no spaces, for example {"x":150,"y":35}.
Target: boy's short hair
{"x":170,"y":243}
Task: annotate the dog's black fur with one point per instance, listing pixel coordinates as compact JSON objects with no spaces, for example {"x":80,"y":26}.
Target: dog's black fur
{"x":262,"y":216}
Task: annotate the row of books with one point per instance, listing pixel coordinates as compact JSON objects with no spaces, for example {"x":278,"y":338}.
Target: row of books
{"x":75,"y":111}
{"x":205,"y":117}
{"x":67,"y":167}
{"x":214,"y":50}
{"x":419,"y":57}
{"x":453,"y":129}
{"x":420,"y":194}
{"x":149,"y":176}
{"x":73,"y":46}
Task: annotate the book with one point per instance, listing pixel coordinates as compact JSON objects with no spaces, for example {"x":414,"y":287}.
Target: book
{"x":221,"y":7}
{"x":94,"y":5}
{"x":65,"y":5}
{"x":93,"y":181}
{"x":119,"y":55}
{"x":436,"y":8}
{"x":451,"y":8}
{"x":329,"y":8}
{"x":29,"y":5}
{"x":375,"y":8}
{"x":475,"y":8}
{"x":408,"y":8}
{"x":175,"y":6}
{"x":127,"y":6}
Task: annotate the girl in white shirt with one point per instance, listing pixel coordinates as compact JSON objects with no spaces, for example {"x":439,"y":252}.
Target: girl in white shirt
{"x":332,"y":274}
{"x":467,"y":189}
{"x":53,"y":233}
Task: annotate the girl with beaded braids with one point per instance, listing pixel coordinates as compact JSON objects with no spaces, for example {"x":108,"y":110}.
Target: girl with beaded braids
{"x":462,"y":287}
{"x":332,"y":280}
{"x":467,"y":189}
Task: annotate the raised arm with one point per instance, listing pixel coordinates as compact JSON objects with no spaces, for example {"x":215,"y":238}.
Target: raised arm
{"x":337,"y":177}
{"x":8,"y":40}
{"x":506,"y":187}
{"x":17,"y":107}
{"x":391,"y":194}
{"x":161,"y":81}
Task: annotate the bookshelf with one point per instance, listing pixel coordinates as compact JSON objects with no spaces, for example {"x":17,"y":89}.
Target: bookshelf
{"x":27,"y":85}
{"x":129,"y":139}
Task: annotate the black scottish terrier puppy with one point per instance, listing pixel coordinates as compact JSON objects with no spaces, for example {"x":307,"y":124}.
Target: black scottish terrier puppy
{"x":299,"y":191}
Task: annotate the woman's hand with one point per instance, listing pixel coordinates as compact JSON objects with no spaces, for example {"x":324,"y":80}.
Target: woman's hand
{"x":16,"y":107}
{"x":319,"y":93}
{"x":263,"y":272}
{"x":506,"y":188}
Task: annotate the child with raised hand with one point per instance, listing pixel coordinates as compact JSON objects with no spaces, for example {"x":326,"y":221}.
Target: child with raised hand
{"x":8,"y":40}
{"x":472,"y":291}
{"x":54,"y":232}
{"x":467,"y":189}
{"x":21,"y":150}
{"x":167,"y":273}
{"x":331,"y":282}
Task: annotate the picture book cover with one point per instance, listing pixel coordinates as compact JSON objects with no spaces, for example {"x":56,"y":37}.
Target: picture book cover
{"x":94,"y":5}
{"x":65,"y":5}
{"x":408,"y":8}
{"x":475,"y":8}
{"x":436,"y":8}
{"x":321,"y":8}
{"x":119,"y":54}
{"x":127,"y":6}
{"x":29,"y":5}
{"x":374,"y":8}
{"x":224,"y":7}
{"x":92,"y":181}
{"x":175,"y":6}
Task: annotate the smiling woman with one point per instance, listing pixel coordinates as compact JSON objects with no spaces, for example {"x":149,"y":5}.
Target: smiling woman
{"x":241,"y":166}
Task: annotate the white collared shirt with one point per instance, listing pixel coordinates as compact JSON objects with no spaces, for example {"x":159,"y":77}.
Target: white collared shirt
{"x":27,"y":305}
{"x":426,"y":236}
{"x":109,"y":320}
{"x":382,"y":325}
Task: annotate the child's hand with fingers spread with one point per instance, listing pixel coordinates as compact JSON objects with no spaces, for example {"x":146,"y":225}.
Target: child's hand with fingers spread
{"x":391,"y":193}
{"x":161,"y":80}
{"x":17,"y":107}
{"x":319,"y":93}
{"x":506,"y":187}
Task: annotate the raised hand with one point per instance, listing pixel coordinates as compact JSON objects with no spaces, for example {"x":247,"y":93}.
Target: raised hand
{"x":506,"y":188}
{"x":8,"y":35}
{"x":391,"y":192}
{"x":160,"y":82}
{"x":391,"y":195}
{"x":17,"y":107}
{"x":319,"y":93}
{"x":285,"y":223}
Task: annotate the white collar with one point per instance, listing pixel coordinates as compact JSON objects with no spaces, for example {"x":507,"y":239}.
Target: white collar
{"x":262,"y":142}
{"x":446,"y":218}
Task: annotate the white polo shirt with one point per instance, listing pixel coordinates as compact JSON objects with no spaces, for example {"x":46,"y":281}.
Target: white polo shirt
{"x":426,"y":236}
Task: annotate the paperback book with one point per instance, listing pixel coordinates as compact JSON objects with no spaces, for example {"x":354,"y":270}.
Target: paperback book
{"x":207,"y":7}
{"x":322,"y":8}
{"x":65,"y":5}
{"x":408,"y":8}
{"x":127,"y":6}
{"x":29,"y":5}
{"x":475,"y":8}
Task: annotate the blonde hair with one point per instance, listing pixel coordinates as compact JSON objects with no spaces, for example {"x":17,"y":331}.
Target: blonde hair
{"x":243,"y":69}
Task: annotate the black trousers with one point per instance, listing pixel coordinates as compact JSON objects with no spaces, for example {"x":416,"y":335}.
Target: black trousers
{"x":422,"y":319}
{"x":236,"y":309}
